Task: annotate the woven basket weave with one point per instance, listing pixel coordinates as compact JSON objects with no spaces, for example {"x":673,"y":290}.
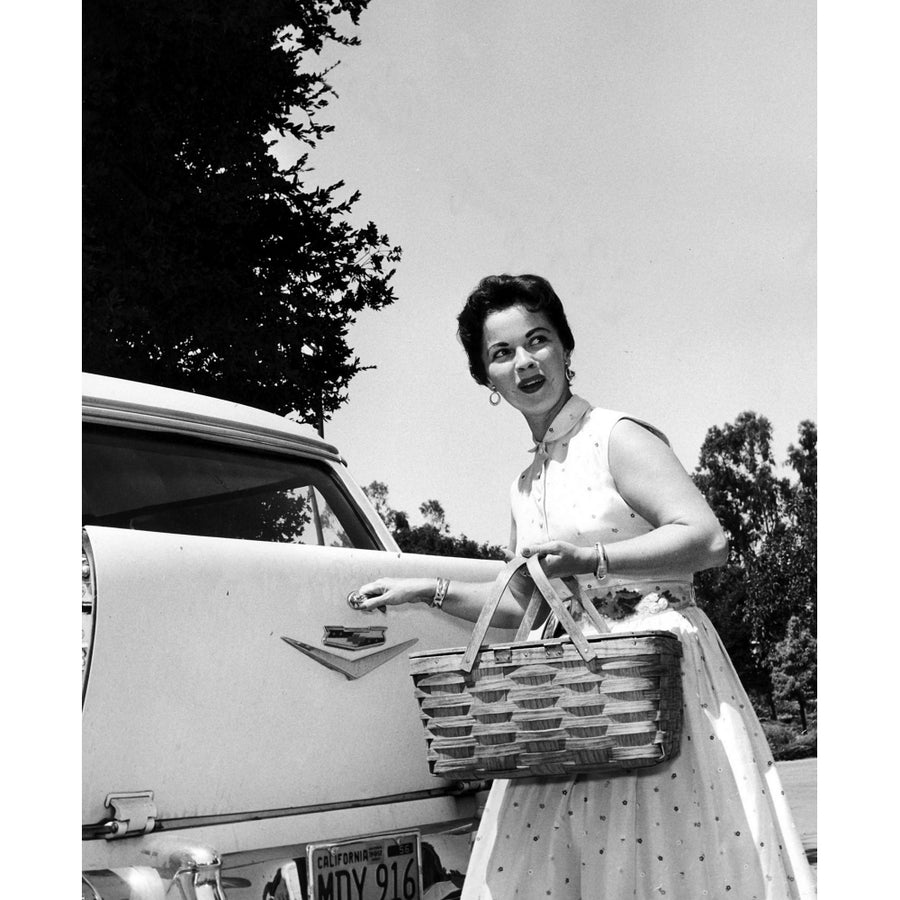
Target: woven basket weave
{"x":549,"y":707}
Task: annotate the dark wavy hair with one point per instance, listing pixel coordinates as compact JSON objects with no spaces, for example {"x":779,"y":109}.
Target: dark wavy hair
{"x":498,"y":292}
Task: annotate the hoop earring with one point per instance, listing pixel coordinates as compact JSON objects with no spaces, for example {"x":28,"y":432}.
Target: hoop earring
{"x":495,"y":397}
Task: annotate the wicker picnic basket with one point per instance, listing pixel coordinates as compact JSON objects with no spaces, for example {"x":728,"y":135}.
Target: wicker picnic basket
{"x":549,"y":707}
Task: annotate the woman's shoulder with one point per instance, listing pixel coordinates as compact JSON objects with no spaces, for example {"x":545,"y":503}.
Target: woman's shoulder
{"x":599,"y":423}
{"x":599,"y":417}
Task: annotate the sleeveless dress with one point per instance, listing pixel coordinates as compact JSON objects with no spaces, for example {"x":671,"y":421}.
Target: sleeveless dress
{"x":713,"y":822}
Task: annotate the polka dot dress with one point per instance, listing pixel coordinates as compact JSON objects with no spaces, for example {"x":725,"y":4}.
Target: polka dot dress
{"x":713,"y":822}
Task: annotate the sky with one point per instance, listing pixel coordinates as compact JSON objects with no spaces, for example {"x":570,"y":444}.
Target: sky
{"x":655,"y":161}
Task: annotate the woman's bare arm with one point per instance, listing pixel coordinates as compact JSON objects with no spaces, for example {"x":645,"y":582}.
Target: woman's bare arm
{"x":686,"y":537}
{"x":464,"y":599}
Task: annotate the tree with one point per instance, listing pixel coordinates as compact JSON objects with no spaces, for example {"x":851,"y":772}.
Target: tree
{"x":794,"y":668}
{"x":769,"y":578}
{"x":434,"y":514}
{"x":782,"y":572}
{"x":205,"y":266}
{"x":803,"y":459}
{"x":803,"y":506}
{"x":432,"y":538}
{"x":736,"y":473}
{"x":377,"y":492}
{"x":722,"y":593}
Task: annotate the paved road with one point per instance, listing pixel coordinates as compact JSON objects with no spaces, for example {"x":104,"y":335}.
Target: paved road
{"x":799,"y":780}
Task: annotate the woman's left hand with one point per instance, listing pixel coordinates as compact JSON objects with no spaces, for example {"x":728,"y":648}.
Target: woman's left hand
{"x":560,"y":558}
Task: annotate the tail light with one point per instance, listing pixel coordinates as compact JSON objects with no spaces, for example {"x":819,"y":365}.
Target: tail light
{"x":87,"y":608}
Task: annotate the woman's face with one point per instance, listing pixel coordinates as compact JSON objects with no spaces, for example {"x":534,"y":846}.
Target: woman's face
{"x":525,"y":361}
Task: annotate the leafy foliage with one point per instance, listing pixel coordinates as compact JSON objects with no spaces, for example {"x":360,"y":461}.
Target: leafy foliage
{"x":432,"y":538}
{"x":377,"y":492}
{"x":206,"y":267}
{"x":790,"y":741}
{"x":433,"y":513}
{"x":736,"y":473}
{"x":782,"y":573}
{"x":722,"y":593}
{"x":769,"y":580}
{"x":794,"y":668}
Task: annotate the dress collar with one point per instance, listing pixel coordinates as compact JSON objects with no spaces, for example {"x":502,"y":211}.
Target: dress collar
{"x":563,"y":424}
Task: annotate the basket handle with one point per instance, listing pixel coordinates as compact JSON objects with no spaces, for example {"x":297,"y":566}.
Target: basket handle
{"x":542,"y":588}
{"x":537,"y":598}
{"x":507,"y":573}
{"x":542,"y":583}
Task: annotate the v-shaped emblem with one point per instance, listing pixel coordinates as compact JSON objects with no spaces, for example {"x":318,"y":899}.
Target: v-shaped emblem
{"x":350,"y":668}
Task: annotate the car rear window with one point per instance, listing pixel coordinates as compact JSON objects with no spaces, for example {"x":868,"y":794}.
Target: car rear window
{"x":150,"y":481}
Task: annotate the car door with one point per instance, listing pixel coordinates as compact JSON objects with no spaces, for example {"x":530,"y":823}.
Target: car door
{"x":194,"y":693}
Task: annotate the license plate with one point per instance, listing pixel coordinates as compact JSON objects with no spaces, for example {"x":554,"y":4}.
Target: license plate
{"x":384,"y":867}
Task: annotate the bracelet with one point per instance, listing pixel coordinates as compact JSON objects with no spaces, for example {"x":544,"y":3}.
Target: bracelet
{"x":602,"y":569}
{"x":440,"y":593}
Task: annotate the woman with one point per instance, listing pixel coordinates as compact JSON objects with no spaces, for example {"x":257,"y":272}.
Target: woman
{"x":605,"y":499}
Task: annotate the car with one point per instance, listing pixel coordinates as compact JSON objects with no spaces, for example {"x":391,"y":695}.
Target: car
{"x":246,"y":732}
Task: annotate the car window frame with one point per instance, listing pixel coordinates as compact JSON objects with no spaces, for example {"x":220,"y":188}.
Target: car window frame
{"x":253,"y":439}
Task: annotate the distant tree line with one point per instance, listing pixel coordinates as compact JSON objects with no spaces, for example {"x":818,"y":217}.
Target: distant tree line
{"x":763,"y":600}
{"x":433,"y":537}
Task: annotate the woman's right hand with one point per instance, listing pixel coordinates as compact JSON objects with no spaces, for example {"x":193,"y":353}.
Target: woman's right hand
{"x":394,"y":592}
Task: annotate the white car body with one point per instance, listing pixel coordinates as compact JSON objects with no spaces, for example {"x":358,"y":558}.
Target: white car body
{"x":214,"y":751}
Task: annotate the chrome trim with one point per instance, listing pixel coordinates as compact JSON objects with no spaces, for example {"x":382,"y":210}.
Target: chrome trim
{"x":195,"y":869}
{"x":87,"y":553}
{"x":255,"y":436}
{"x":354,"y":638}
{"x":351,"y":669}
{"x":134,"y":812}
{"x":199,"y":873}
{"x":452,"y":789}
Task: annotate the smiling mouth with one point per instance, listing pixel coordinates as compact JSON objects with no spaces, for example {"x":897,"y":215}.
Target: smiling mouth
{"x":532,"y":385}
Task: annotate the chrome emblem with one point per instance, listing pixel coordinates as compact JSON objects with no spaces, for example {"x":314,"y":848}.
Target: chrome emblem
{"x":350,"y":668}
{"x":353,"y":638}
